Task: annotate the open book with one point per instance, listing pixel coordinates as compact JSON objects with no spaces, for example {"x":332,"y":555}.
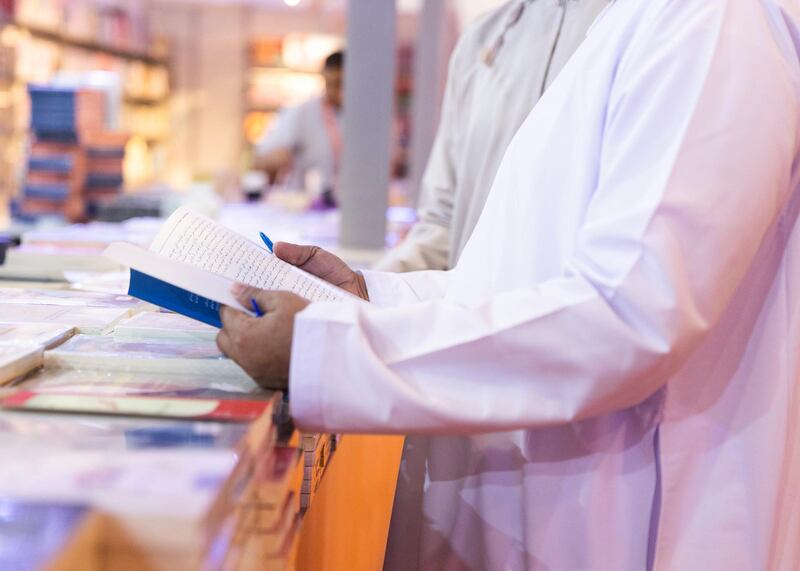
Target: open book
{"x":193,"y":262}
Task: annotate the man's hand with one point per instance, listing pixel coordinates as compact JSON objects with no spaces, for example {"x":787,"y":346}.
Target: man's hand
{"x":261,"y":345}
{"x":324,"y":265}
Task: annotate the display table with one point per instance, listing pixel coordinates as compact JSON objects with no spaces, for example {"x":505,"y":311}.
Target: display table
{"x":347,"y":525}
{"x":244,"y":493}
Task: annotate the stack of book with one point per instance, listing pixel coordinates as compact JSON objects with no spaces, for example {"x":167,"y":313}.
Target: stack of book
{"x":267,"y":517}
{"x":44,"y":335}
{"x":170,"y":494}
{"x":110,"y":353}
{"x":74,"y":163}
{"x":154,"y":488}
{"x":105,"y":157}
{"x":156,"y":325}
{"x":176,"y":457}
{"x":89,"y":314}
{"x":50,"y":263}
{"x":208,"y":476}
{"x":56,"y":165}
{"x":317,"y":450}
{"x":52,"y":253}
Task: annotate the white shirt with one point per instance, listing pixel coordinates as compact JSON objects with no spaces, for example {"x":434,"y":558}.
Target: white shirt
{"x":484,"y":105}
{"x":302,"y":130}
{"x":628,"y":304}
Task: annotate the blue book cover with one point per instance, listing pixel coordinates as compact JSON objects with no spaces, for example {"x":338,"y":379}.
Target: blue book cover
{"x":106,"y":152}
{"x":54,"y":192}
{"x":176,"y":286}
{"x":61,"y":164}
{"x":103,"y":180}
{"x":171,"y":297}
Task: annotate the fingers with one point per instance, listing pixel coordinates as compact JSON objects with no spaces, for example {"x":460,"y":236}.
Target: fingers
{"x":225,"y":343}
{"x":270,"y":301}
{"x":233,"y":319}
{"x":265,"y":300}
{"x":293,"y":253}
{"x":244,"y":293}
{"x":314,"y":260}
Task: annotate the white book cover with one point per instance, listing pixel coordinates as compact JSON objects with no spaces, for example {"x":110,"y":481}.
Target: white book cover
{"x":18,"y":361}
{"x":87,"y":320}
{"x":163,"y":325}
{"x":69,"y":298}
{"x":57,"y":258}
{"x":168,"y":358}
{"x":43,"y":335}
{"x":120,"y":383}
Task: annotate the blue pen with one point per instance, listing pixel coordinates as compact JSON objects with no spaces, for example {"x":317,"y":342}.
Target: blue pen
{"x":256,"y":309}
{"x":266,"y":240}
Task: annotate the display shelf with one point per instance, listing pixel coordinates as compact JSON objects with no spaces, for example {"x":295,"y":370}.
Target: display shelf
{"x":145,"y":101}
{"x":90,"y":46}
{"x":263,"y":108}
{"x":283,"y":68}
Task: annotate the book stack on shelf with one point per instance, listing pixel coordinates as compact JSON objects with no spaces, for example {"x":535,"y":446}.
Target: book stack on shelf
{"x":105,"y":158}
{"x":8,"y":122}
{"x":55,"y":166}
{"x":74,"y":163}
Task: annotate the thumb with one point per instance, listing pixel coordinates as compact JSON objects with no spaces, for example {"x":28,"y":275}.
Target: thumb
{"x":294,"y":253}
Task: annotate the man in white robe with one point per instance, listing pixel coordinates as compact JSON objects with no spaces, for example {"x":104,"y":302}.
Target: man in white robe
{"x":628,"y":302}
{"x":502,"y":65}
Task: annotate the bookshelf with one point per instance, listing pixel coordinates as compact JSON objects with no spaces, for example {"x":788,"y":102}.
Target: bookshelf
{"x":50,"y":38}
{"x":282,"y":71}
{"x":65,"y":40}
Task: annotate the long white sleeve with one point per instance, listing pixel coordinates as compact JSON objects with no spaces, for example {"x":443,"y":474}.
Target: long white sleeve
{"x":701,"y":133}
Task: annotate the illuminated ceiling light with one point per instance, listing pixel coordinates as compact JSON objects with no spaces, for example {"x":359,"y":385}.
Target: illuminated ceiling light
{"x":291,"y":2}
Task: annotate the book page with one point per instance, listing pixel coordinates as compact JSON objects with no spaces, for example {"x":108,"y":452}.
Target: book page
{"x":191,"y":238}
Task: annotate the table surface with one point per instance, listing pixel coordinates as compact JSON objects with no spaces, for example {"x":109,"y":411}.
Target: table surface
{"x":346,"y":527}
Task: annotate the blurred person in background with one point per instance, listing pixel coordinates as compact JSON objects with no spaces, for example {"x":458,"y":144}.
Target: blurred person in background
{"x":307,"y":138}
{"x":502,"y":65}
